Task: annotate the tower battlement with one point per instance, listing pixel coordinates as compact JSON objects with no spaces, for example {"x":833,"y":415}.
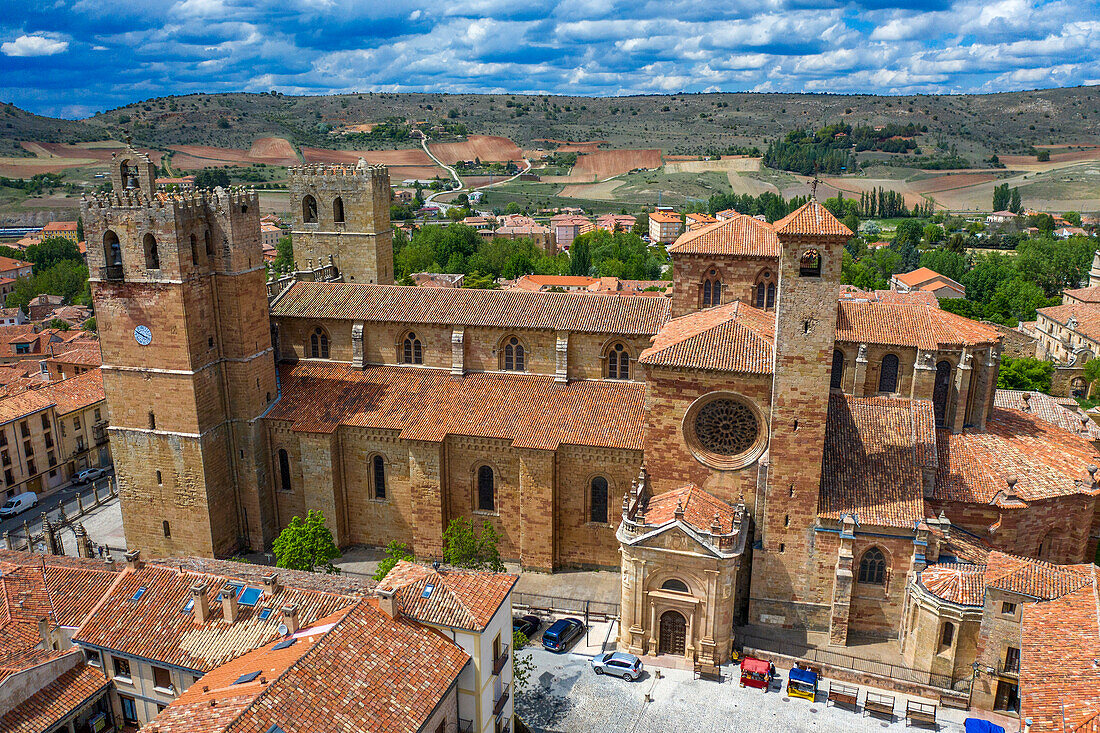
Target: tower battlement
{"x":218,"y":200}
{"x":325,"y":171}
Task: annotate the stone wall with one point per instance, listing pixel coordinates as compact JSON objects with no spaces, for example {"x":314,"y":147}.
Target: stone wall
{"x":738,"y":275}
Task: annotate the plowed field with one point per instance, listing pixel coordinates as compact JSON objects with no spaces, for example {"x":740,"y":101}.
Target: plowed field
{"x":269,"y":150}
{"x":606,"y":163}
{"x":477,"y":147}
{"x":414,"y":156}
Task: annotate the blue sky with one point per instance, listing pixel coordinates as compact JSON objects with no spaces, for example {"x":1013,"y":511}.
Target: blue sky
{"x":72,"y":59}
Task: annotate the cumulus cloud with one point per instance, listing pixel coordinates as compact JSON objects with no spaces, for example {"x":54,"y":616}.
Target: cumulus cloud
{"x":34,"y":45}
{"x":554,"y":46}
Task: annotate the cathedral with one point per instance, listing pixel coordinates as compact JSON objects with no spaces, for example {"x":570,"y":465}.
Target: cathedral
{"x":765,"y":447}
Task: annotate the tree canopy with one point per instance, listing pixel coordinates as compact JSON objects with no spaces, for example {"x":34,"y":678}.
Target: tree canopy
{"x":306,"y":545}
{"x":465,"y":548}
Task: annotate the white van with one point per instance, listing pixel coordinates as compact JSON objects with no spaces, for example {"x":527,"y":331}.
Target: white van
{"x":19,"y":503}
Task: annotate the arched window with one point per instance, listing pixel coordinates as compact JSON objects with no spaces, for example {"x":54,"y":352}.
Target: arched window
{"x":338,"y":210}
{"x":674,"y":585}
{"x":888,"y":374}
{"x":1045,"y":545}
{"x":764,"y":297}
{"x":152,"y":256}
{"x":284,"y":470}
{"x":378,"y":469}
{"x":514,"y":358}
{"x":597,"y":501}
{"x":411,"y":351}
{"x":209,"y":243}
{"x":318,"y":344}
{"x":771,"y":296}
{"x":810,"y":264}
{"x":761,"y":289}
{"x":486,"y":490}
{"x":309,"y":210}
{"x":872,"y":567}
{"x":129,"y":175}
{"x":194,"y":250}
{"x":1079,"y":387}
{"x":941,"y":390}
{"x":837,"y":380}
{"x":712,"y":289}
{"x":618,"y":362}
{"x":112,"y":255}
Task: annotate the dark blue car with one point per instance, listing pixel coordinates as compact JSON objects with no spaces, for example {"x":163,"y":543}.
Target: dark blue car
{"x":561,"y":632}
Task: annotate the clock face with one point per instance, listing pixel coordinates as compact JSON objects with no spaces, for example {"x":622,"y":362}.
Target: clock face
{"x":143,"y":335}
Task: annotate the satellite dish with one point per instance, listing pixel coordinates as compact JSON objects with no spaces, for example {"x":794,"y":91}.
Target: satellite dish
{"x":283,"y":630}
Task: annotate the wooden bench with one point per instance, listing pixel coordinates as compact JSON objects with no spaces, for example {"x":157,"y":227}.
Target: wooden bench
{"x":708,"y":671}
{"x":954,"y":700}
{"x":878,"y":704}
{"x":923,"y":713}
{"x":843,"y":694}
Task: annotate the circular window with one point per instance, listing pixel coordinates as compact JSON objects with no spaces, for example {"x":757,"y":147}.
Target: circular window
{"x":725,"y":431}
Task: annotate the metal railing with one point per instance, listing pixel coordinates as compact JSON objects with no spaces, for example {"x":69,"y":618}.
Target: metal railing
{"x":559,"y":604}
{"x":66,"y":511}
{"x":501,"y":701}
{"x":501,"y":660}
{"x":1009,"y":668}
{"x":847,"y":661}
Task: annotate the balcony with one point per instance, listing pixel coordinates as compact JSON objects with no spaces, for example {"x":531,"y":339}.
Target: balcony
{"x":1010,"y":668}
{"x":500,"y":661}
{"x":501,"y":701}
{"x":465,"y":726}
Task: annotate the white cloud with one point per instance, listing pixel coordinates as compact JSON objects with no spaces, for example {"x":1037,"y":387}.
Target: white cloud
{"x":37,"y":45}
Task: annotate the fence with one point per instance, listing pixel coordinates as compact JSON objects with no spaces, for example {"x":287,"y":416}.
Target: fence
{"x":845,"y":661}
{"x":63,"y":513}
{"x":574,"y":606}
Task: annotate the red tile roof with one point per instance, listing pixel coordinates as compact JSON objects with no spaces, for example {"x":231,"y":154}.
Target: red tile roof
{"x":960,"y":583}
{"x":1048,"y":409}
{"x":1084,"y":295}
{"x":741,"y":236}
{"x":876,"y":449}
{"x":811,"y":219}
{"x":458,"y":599}
{"x":663,"y":217}
{"x":1046,"y":461}
{"x":909,"y":324}
{"x":319,"y":397}
{"x":7,"y":263}
{"x":1059,"y":678}
{"x":580,"y":312}
{"x":1034,"y":578}
{"x":734,"y":337}
{"x":75,"y":393}
{"x":698,"y":506}
{"x":21,"y":404}
{"x":47,"y":707}
{"x":1086,"y":314}
{"x":917,"y":297}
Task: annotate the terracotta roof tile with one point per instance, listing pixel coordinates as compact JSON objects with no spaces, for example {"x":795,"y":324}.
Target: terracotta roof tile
{"x":734,"y":337}
{"x":875,"y":451}
{"x":917,"y":297}
{"x":1047,"y":461}
{"x":47,"y":707}
{"x":1084,"y":295}
{"x":1087,"y":316}
{"x":579,"y":312}
{"x":699,"y":509}
{"x":742,"y":235}
{"x":319,"y":397}
{"x":909,"y":324}
{"x":1050,"y":410}
{"x":960,"y":583}
{"x":457,"y":598}
{"x":75,"y":393}
{"x":812,"y":219}
{"x":1034,"y":578}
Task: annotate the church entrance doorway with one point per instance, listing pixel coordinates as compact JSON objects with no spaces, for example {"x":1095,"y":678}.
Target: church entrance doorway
{"x":940,"y":391}
{"x":673,"y":633}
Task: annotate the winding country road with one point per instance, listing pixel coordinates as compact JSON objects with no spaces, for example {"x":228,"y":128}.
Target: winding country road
{"x":430,"y":198}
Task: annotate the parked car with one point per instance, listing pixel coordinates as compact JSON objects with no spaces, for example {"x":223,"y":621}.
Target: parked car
{"x":19,"y":503}
{"x":88,"y":475}
{"x":527,"y":625}
{"x":561,"y":632}
{"x":618,"y":664}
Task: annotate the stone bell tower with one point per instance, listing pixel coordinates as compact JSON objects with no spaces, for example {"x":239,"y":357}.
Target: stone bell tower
{"x":181,"y":304}
{"x":344,"y":211}
{"x":783,"y":590}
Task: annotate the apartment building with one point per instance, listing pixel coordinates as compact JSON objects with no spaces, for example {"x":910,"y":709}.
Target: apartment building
{"x":664,"y":227}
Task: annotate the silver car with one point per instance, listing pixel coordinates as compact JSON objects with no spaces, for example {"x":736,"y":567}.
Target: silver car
{"x":618,"y":664}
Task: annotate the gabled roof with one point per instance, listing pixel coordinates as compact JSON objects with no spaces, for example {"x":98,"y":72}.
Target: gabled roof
{"x":75,"y":393}
{"x":1084,"y":295}
{"x":469,"y":307}
{"x":448,"y":597}
{"x":740,"y":235}
{"x":1045,"y":460}
{"x":916,"y":297}
{"x":734,"y":337}
{"x":876,"y":450}
{"x":1087,"y":316}
{"x":531,"y":410}
{"x":909,"y":324}
{"x":51,"y":704}
{"x":1049,"y":410}
{"x":811,"y":219}
{"x":1034,"y":578}
{"x":699,"y":509}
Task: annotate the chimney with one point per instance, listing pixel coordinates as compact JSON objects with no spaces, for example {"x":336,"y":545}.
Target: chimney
{"x":229,"y":604}
{"x":200,"y":604}
{"x":290,"y":618}
{"x":133,"y":560}
{"x":387,"y":602}
{"x":109,"y":562}
{"x":271,"y":583}
{"x":44,"y":633}
{"x":1027,"y":401}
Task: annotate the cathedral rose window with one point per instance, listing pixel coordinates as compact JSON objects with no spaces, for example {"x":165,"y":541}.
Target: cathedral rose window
{"x":725,"y":431}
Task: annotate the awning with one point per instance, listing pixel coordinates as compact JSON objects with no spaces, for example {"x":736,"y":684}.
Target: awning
{"x":757,"y":666}
{"x":803,"y":675}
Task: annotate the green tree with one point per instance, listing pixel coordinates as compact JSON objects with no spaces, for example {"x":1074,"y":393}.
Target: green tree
{"x":1001,"y":197}
{"x":212,"y":178}
{"x":50,"y":251}
{"x":947,"y":263}
{"x":933,"y":234}
{"x":641,"y":225}
{"x":909,"y":231}
{"x":1025,"y":373}
{"x":284,"y":254}
{"x":580,"y":257}
{"x":1042,"y":156}
{"x":1073,"y":217}
{"x":522,"y":666}
{"x":395,"y":552}
{"x":465,"y":548}
{"x":89,"y":325}
{"x":80,"y":228}
{"x":59,"y":324}
{"x":306,"y":545}
{"x":1092,"y":371}
{"x":1015,"y":205}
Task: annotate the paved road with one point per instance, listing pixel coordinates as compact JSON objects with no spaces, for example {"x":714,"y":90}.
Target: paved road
{"x":49,"y":504}
{"x":430,"y":198}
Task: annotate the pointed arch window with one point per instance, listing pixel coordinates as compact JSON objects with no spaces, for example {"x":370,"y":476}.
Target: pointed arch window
{"x":152,"y":254}
{"x":486,"y":489}
{"x":318,"y":344}
{"x":618,"y":362}
{"x":209,"y":243}
{"x":338,"y":210}
{"x":597,"y":500}
{"x":378,"y":471}
{"x":411,"y":350}
{"x":888,"y":374}
{"x":837,"y":379}
{"x":712,"y":289}
{"x":515,"y":359}
{"x":872,"y":567}
{"x":309,"y":209}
